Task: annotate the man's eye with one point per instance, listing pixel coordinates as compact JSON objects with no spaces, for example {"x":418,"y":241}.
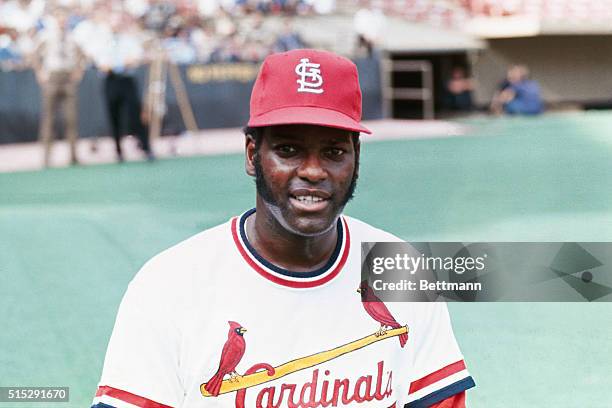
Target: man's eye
{"x":335,"y":152}
{"x":286,"y":149}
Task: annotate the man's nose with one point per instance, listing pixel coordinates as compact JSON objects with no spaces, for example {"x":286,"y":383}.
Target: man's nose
{"x":311,"y":169}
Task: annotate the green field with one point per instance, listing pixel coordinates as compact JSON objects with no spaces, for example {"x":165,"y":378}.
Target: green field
{"x":71,"y":239}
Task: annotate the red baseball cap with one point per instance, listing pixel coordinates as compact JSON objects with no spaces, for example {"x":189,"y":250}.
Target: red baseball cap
{"x":310,"y":87}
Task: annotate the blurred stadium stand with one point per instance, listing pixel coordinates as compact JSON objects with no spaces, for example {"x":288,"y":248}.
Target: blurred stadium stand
{"x":454,"y":13}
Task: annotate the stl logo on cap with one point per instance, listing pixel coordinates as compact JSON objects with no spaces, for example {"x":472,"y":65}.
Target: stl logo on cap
{"x":289,"y":90}
{"x":310,"y":76}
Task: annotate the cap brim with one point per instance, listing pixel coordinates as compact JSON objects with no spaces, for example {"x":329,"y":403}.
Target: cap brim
{"x":308,"y":115}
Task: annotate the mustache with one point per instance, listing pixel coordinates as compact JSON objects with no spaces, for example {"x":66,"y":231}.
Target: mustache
{"x":323,"y":190}
{"x":265,"y":192}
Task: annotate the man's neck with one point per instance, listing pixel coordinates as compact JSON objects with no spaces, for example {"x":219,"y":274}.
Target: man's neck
{"x":286,"y":249}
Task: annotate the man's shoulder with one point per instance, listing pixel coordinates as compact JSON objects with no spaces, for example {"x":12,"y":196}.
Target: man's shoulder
{"x":203,"y":240}
{"x":362,"y":231}
{"x":185,"y":256}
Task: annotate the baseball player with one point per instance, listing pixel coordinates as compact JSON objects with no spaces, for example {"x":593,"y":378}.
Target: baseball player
{"x":263,"y":310}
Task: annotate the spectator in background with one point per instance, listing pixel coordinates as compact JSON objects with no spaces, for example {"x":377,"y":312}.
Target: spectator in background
{"x":118,"y":59}
{"x":10,"y":57}
{"x":19,"y":20}
{"x":321,"y":6}
{"x":518,"y":95}
{"x":459,"y":90}
{"x":21,"y":15}
{"x":289,"y":39}
{"x":58,"y":63}
{"x":259,"y":38}
{"x":227,"y":50}
{"x":204,"y":41}
{"x":158,"y":15}
{"x":178,"y":47}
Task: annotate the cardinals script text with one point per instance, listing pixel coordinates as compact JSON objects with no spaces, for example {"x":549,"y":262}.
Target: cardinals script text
{"x":323,"y":391}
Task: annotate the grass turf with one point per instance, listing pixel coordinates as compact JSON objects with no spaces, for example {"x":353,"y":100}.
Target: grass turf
{"x":71,"y":239}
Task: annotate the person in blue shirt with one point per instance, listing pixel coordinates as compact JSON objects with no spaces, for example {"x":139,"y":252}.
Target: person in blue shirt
{"x":518,"y":95}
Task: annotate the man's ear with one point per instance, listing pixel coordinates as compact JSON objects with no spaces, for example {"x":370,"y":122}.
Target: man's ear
{"x":357,"y":154}
{"x":249,"y":156}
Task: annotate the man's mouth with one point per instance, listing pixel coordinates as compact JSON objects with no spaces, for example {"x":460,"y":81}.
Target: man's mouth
{"x":310,"y":200}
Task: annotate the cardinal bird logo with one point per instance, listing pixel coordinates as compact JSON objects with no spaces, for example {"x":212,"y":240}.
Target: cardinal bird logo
{"x":379,"y":312}
{"x":232,"y":353}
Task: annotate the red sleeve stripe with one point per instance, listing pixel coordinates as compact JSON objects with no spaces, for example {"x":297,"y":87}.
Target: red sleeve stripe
{"x":128,"y":397}
{"x":437,"y":376}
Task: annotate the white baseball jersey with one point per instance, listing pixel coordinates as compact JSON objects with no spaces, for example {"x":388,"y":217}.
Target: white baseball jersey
{"x":309,"y":341}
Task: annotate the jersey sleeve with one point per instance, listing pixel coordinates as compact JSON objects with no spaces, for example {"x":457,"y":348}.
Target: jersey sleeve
{"x":456,"y":401}
{"x":438,"y":371}
{"x":141,"y":367}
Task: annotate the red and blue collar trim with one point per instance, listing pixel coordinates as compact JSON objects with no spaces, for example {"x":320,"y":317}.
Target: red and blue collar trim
{"x":284,"y":277}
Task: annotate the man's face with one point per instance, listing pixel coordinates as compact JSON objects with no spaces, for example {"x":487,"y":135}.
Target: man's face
{"x":305,"y":175}
{"x":515,"y":74}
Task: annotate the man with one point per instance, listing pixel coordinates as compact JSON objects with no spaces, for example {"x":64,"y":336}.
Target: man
{"x":459,"y":90}
{"x":287,"y":271}
{"x":289,"y":39}
{"x":119,"y":55}
{"x":59,"y":65}
{"x":518,"y":95}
